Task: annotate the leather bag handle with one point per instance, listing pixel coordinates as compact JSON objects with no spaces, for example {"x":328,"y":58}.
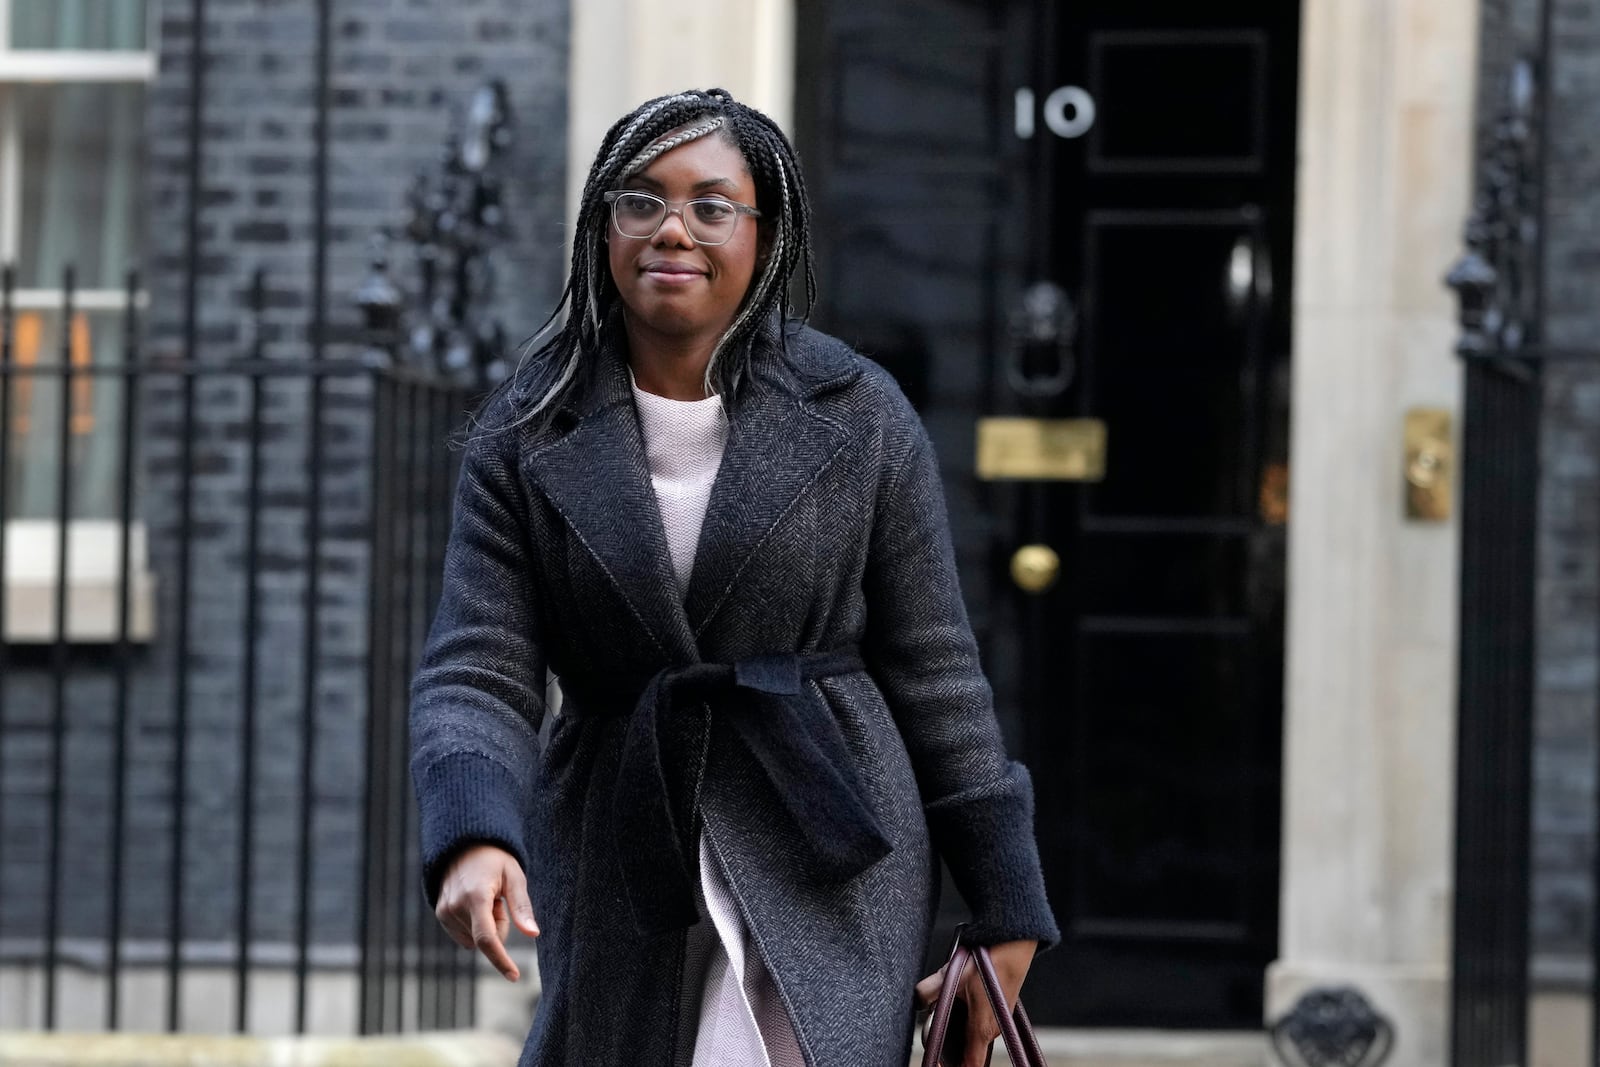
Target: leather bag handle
{"x":1015,"y":1029}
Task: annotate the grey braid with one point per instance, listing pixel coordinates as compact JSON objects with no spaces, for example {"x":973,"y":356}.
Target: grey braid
{"x":763,"y":286}
{"x":635,"y":121}
{"x":667,"y":144}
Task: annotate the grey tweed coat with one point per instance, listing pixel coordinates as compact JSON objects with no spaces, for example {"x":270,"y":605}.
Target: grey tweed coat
{"x":827,"y":792}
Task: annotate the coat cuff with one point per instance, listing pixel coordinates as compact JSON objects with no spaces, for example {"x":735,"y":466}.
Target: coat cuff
{"x":466,"y":799}
{"x":988,"y":843}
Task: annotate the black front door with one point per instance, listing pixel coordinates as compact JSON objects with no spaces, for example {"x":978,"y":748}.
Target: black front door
{"x":1084,"y":211}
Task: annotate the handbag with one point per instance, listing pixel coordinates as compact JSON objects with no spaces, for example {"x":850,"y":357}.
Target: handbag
{"x":948,"y":1024}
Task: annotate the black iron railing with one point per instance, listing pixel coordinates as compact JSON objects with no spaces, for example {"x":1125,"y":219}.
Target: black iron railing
{"x":409,"y":967}
{"x":199,"y":787}
{"x":1508,"y":357}
{"x":1498,"y":282}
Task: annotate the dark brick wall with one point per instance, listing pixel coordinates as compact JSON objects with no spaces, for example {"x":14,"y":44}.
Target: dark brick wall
{"x":1569,"y":543}
{"x":399,"y":70}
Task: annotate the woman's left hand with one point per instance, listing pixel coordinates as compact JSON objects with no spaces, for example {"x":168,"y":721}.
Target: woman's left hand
{"x":1011,"y":962}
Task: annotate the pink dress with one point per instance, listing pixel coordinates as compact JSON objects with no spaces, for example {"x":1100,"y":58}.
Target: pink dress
{"x":742,"y":1019}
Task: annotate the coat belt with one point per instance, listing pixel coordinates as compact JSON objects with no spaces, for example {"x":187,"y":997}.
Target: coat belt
{"x":790,"y":732}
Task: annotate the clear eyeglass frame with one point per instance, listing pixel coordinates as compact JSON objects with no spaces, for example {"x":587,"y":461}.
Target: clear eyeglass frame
{"x":666,"y":208}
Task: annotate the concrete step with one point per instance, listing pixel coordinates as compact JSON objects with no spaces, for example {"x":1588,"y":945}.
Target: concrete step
{"x":1144,"y":1048}
{"x":463,"y":1048}
{"x":1063,"y":1048}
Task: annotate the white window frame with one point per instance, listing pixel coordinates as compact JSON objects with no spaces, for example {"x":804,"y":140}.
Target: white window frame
{"x":93,"y":559}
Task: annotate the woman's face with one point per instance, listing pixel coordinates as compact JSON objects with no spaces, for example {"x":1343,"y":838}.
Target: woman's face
{"x":669,"y":283}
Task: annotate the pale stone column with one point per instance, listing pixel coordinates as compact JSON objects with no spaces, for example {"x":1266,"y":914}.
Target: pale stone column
{"x":626,"y":51}
{"x":1386,"y":120}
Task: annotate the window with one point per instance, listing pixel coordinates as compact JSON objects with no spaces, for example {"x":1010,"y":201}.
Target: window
{"x":72,"y":84}
{"x":73,"y":78}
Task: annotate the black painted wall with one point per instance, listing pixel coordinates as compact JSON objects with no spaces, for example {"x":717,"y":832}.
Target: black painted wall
{"x":1567,"y":695}
{"x":1567,"y":682}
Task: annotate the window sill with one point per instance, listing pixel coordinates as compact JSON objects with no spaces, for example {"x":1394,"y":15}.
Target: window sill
{"x":76,"y":65}
{"x":94,"y":586}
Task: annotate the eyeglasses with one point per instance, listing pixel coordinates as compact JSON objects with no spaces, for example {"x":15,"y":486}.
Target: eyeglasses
{"x":709,"y":220}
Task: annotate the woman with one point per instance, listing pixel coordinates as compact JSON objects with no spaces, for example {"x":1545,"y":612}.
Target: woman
{"x":724,"y":533}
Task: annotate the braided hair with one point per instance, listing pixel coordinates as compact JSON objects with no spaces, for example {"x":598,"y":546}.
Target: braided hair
{"x":549,"y":372}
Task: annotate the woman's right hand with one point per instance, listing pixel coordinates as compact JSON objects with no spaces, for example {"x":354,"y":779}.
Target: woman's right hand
{"x":484,"y":893}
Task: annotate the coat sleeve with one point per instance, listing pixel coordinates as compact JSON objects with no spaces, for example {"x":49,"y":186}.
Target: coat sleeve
{"x":478,"y":695}
{"x":920,"y":648}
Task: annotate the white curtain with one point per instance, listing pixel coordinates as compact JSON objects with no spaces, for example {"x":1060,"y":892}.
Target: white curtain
{"x":81,"y":184}
{"x":93,"y":24}
{"x":94,"y":407}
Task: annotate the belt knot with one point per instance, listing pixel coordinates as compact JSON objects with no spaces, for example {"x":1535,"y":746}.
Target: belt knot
{"x":794,"y":739}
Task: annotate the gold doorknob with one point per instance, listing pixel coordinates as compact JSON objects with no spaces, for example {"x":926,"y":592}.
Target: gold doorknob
{"x":1035,"y":568}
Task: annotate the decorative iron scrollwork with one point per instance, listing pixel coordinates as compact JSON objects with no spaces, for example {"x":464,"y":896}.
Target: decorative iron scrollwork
{"x":1496,"y":279}
{"x":1333,"y":1027}
{"x":455,"y":221}
{"x":1044,"y":325}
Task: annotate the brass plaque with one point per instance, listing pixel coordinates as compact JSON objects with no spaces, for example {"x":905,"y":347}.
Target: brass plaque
{"x":1429,"y":464}
{"x":1060,"y":450}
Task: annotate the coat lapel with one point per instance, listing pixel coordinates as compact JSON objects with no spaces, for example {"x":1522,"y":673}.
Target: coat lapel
{"x":777,"y":445}
{"x":597,"y":477}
